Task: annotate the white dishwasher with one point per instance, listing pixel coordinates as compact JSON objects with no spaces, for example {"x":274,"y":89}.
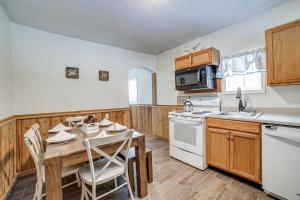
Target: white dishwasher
{"x":281,"y":161}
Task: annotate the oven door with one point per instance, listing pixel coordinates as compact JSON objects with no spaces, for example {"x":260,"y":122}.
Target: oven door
{"x":187,"y":134}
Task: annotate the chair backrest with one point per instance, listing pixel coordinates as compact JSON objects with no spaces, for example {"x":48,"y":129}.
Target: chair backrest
{"x":32,"y":142}
{"x":93,"y":143}
{"x":36,"y":128}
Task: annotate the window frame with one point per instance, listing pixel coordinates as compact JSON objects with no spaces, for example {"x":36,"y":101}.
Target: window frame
{"x":262,"y":91}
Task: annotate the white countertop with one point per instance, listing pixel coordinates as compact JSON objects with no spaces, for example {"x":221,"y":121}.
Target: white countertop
{"x":290,"y":120}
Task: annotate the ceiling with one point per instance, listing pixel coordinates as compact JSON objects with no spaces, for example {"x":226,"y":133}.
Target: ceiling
{"x":149,"y":26}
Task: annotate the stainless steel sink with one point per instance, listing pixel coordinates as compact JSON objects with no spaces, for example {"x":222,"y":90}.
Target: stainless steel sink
{"x":240,"y":114}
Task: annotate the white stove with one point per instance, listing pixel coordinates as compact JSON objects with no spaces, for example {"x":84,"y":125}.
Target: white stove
{"x":187,"y":134}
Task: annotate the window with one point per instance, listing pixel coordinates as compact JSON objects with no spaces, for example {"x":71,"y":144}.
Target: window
{"x":249,"y":83}
{"x":245,"y":70}
{"x":132,"y":85}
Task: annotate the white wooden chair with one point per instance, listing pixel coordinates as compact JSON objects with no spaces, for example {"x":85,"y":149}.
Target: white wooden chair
{"x":34,"y":145}
{"x":108,"y":168}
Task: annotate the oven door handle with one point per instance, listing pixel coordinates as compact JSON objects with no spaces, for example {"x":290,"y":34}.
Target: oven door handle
{"x":186,"y":122}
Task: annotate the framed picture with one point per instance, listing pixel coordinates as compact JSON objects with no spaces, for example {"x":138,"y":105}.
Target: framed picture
{"x":103,"y":75}
{"x":72,"y":72}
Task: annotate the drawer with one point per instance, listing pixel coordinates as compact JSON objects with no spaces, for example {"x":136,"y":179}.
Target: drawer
{"x":251,"y":127}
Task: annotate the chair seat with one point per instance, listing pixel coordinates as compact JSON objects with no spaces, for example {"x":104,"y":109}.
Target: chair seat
{"x":66,"y":171}
{"x":111,"y":172}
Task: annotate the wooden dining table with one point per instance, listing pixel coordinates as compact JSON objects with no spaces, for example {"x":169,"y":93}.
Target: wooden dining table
{"x":62,"y":155}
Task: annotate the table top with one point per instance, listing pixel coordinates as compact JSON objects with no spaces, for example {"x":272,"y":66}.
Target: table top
{"x":75,"y":145}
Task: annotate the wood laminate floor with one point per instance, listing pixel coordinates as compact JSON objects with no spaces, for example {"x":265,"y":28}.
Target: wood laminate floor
{"x":173,"y":180}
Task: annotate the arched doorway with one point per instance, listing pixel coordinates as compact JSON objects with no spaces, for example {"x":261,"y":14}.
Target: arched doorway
{"x":142,"y":86}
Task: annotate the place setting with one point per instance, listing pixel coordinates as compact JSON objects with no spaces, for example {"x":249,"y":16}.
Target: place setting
{"x":61,"y":134}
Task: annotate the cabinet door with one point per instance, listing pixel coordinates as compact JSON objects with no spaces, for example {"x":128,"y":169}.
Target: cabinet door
{"x":218,"y":148}
{"x":283,"y":50}
{"x":245,"y":155}
{"x":201,"y":58}
{"x":183,"y":62}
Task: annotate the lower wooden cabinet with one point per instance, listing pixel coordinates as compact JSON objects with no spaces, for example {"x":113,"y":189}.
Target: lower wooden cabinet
{"x":238,"y":152}
{"x":245,"y":155}
{"x":218,"y":148}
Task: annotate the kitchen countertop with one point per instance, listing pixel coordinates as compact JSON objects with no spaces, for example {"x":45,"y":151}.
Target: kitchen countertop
{"x":290,"y":120}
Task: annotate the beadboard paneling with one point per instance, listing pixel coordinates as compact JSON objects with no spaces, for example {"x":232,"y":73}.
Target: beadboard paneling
{"x":8,"y":157}
{"x":153,"y":120}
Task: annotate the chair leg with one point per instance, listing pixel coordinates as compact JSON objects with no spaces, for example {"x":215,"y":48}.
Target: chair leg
{"x":116,"y":182}
{"x":129,"y":186}
{"x":131,"y":174}
{"x":39,"y":191}
{"x":94,"y":192}
{"x":149,"y":167}
{"x":82,"y":191}
{"x":78,"y":179}
{"x":85,"y":192}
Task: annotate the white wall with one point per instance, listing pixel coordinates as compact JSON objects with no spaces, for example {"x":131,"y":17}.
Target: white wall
{"x":244,"y":35}
{"x":144,"y":84}
{"x":6,"y":80}
{"x":39,"y":61}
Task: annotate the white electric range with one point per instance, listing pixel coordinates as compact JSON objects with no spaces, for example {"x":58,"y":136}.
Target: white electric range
{"x":187,"y":131}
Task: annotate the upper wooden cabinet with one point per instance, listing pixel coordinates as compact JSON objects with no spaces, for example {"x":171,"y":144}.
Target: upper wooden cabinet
{"x":210,"y":56}
{"x":283,"y":54}
{"x":183,"y":62}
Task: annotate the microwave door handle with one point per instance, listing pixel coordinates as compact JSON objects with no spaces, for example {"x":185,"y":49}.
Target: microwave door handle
{"x":199,"y":76}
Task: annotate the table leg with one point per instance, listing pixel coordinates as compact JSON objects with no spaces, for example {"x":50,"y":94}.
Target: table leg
{"x":53,"y":178}
{"x":142,"y":184}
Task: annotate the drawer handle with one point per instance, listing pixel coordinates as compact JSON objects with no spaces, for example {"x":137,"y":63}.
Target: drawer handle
{"x":273,"y":128}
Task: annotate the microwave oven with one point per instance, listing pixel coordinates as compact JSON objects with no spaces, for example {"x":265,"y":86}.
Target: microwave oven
{"x":198,"y":78}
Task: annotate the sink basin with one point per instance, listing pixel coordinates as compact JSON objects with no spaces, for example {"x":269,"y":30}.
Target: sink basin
{"x":240,"y":114}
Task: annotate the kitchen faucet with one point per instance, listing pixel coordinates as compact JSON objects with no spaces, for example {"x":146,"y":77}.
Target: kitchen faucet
{"x":244,"y":102}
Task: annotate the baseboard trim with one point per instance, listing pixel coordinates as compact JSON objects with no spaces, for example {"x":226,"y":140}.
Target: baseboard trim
{"x":10,"y":188}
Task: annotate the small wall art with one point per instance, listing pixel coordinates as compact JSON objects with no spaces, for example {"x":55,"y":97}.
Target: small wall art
{"x":72,"y":72}
{"x":104,"y":75}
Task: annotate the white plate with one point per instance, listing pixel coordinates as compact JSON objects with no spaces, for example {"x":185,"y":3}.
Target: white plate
{"x":116,"y":127}
{"x":61,"y":136}
{"x":105,"y":122}
{"x":59,"y":127}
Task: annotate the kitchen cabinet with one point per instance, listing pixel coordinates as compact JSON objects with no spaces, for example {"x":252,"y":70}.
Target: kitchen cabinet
{"x":218,"y":148}
{"x":235,"y":146}
{"x":245,"y":155}
{"x":183,"y":62}
{"x":210,"y":56}
{"x":282,"y":52}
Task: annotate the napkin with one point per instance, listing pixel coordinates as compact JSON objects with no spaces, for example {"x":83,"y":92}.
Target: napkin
{"x":116,"y":127}
{"x":61,"y":136}
{"x":105,"y":122}
{"x":60,"y":127}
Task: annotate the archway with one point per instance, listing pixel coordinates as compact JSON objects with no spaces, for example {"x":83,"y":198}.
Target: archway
{"x":142,"y":86}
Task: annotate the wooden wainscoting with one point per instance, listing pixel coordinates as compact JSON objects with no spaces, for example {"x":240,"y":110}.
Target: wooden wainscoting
{"x":8,"y":158}
{"x":153,"y":119}
{"x":25,"y":164}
